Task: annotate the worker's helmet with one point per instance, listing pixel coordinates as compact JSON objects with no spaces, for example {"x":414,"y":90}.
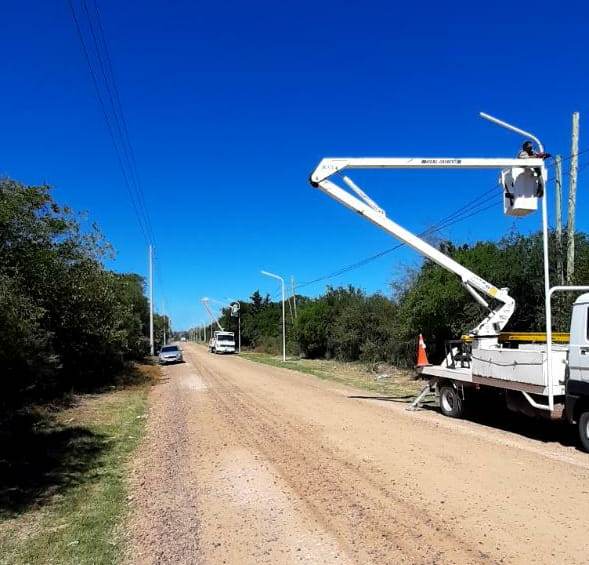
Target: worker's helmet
{"x":527,"y":146}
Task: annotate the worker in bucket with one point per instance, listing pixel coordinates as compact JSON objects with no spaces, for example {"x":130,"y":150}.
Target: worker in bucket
{"x":527,"y":152}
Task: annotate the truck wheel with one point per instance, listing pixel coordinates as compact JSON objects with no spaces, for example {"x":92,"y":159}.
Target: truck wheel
{"x":450,"y":402}
{"x":584,"y":430}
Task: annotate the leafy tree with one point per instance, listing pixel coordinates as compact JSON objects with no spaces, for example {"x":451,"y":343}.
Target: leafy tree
{"x":65,"y":320}
{"x":161,"y":327}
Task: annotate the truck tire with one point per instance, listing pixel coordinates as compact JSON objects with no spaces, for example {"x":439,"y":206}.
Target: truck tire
{"x":451,"y":404}
{"x":584,"y":429}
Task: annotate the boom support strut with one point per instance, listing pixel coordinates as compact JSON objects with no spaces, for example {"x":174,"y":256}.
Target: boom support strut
{"x":214,"y":320}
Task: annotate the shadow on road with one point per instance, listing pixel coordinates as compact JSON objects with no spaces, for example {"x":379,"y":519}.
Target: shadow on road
{"x":497,"y":416}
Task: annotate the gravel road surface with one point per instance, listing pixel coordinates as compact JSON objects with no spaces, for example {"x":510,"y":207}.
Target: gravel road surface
{"x":245,"y":463}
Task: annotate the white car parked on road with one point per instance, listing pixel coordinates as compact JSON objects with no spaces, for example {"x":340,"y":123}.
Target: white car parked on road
{"x":170,"y":354}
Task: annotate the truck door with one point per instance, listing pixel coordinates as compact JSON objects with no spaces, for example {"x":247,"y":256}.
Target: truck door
{"x":579,"y":344}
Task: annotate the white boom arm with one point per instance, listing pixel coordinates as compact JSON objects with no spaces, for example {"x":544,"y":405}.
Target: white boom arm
{"x":205,"y":303}
{"x":495,"y":321}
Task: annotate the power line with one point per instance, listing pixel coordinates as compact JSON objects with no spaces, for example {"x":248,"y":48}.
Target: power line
{"x":568,"y":157}
{"x":390,"y":250}
{"x":109,"y":78}
{"x":113,"y":123}
{"x":473,"y":207}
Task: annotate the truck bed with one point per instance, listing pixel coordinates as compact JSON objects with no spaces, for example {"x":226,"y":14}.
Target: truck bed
{"x":516,"y":369}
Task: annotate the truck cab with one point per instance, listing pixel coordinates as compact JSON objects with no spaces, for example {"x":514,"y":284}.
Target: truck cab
{"x":222,"y":342}
{"x":577,"y":381}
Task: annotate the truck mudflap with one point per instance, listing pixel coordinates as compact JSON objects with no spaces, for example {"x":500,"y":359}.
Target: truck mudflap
{"x":576,"y":391}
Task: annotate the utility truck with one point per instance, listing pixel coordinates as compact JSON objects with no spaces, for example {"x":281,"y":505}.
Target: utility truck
{"x":535,"y":375}
{"x":221,"y":341}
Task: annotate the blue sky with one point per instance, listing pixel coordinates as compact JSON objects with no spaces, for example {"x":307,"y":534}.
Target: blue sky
{"x":231,"y":105}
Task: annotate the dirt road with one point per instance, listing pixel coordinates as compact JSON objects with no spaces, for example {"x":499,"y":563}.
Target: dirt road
{"x":246,"y":463}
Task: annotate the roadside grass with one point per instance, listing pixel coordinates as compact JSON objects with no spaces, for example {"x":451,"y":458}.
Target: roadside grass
{"x":63,"y":489}
{"x":384,"y":380}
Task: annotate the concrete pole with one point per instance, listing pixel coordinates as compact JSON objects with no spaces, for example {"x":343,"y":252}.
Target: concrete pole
{"x":283,"y":325}
{"x":572,"y":199}
{"x":165,"y":320}
{"x":151,"y":349}
{"x":558,"y":213}
{"x":290,"y":309}
{"x":294,"y":295}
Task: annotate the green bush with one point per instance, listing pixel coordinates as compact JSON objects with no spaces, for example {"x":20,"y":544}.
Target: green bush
{"x":65,"y":321}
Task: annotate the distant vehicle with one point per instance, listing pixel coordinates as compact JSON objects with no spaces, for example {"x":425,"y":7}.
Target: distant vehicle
{"x":182,"y":339}
{"x":222,"y":342}
{"x":170,"y":354}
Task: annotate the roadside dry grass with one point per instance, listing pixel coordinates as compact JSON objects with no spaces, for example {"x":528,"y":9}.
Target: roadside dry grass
{"x":381,"y":379}
{"x":63,"y":491}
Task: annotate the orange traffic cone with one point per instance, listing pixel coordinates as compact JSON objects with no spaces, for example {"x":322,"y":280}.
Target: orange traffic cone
{"x":421,"y":354}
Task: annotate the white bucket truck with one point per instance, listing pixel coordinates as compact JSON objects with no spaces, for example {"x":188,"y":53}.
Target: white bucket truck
{"x":538,"y":379}
{"x":221,"y":341}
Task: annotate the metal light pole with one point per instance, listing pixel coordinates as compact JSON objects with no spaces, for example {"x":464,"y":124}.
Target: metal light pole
{"x":547,"y":304}
{"x":283,"y":316}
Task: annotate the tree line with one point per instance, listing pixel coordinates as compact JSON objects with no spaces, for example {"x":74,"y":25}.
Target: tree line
{"x":66,"y":321}
{"x":347,"y":324}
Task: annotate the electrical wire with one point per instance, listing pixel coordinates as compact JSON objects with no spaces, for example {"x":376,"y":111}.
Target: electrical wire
{"x":106,"y":66}
{"x":114,"y":120}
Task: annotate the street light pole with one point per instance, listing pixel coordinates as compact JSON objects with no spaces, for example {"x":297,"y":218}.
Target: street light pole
{"x":283,"y":316}
{"x":547,"y":304}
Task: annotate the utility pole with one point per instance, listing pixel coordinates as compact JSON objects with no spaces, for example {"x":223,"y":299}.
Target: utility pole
{"x":558,"y":212}
{"x":165,"y":321}
{"x":572,"y":199}
{"x":294,"y":295}
{"x":290,"y":309}
{"x":151,"y":300}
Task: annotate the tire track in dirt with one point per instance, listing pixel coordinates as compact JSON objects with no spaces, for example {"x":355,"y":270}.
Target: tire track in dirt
{"x":372,"y":523}
{"x":245,"y":463}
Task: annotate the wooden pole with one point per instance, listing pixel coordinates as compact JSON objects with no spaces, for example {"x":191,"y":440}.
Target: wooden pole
{"x":558,"y":213}
{"x":151,"y":345}
{"x":572,"y":199}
